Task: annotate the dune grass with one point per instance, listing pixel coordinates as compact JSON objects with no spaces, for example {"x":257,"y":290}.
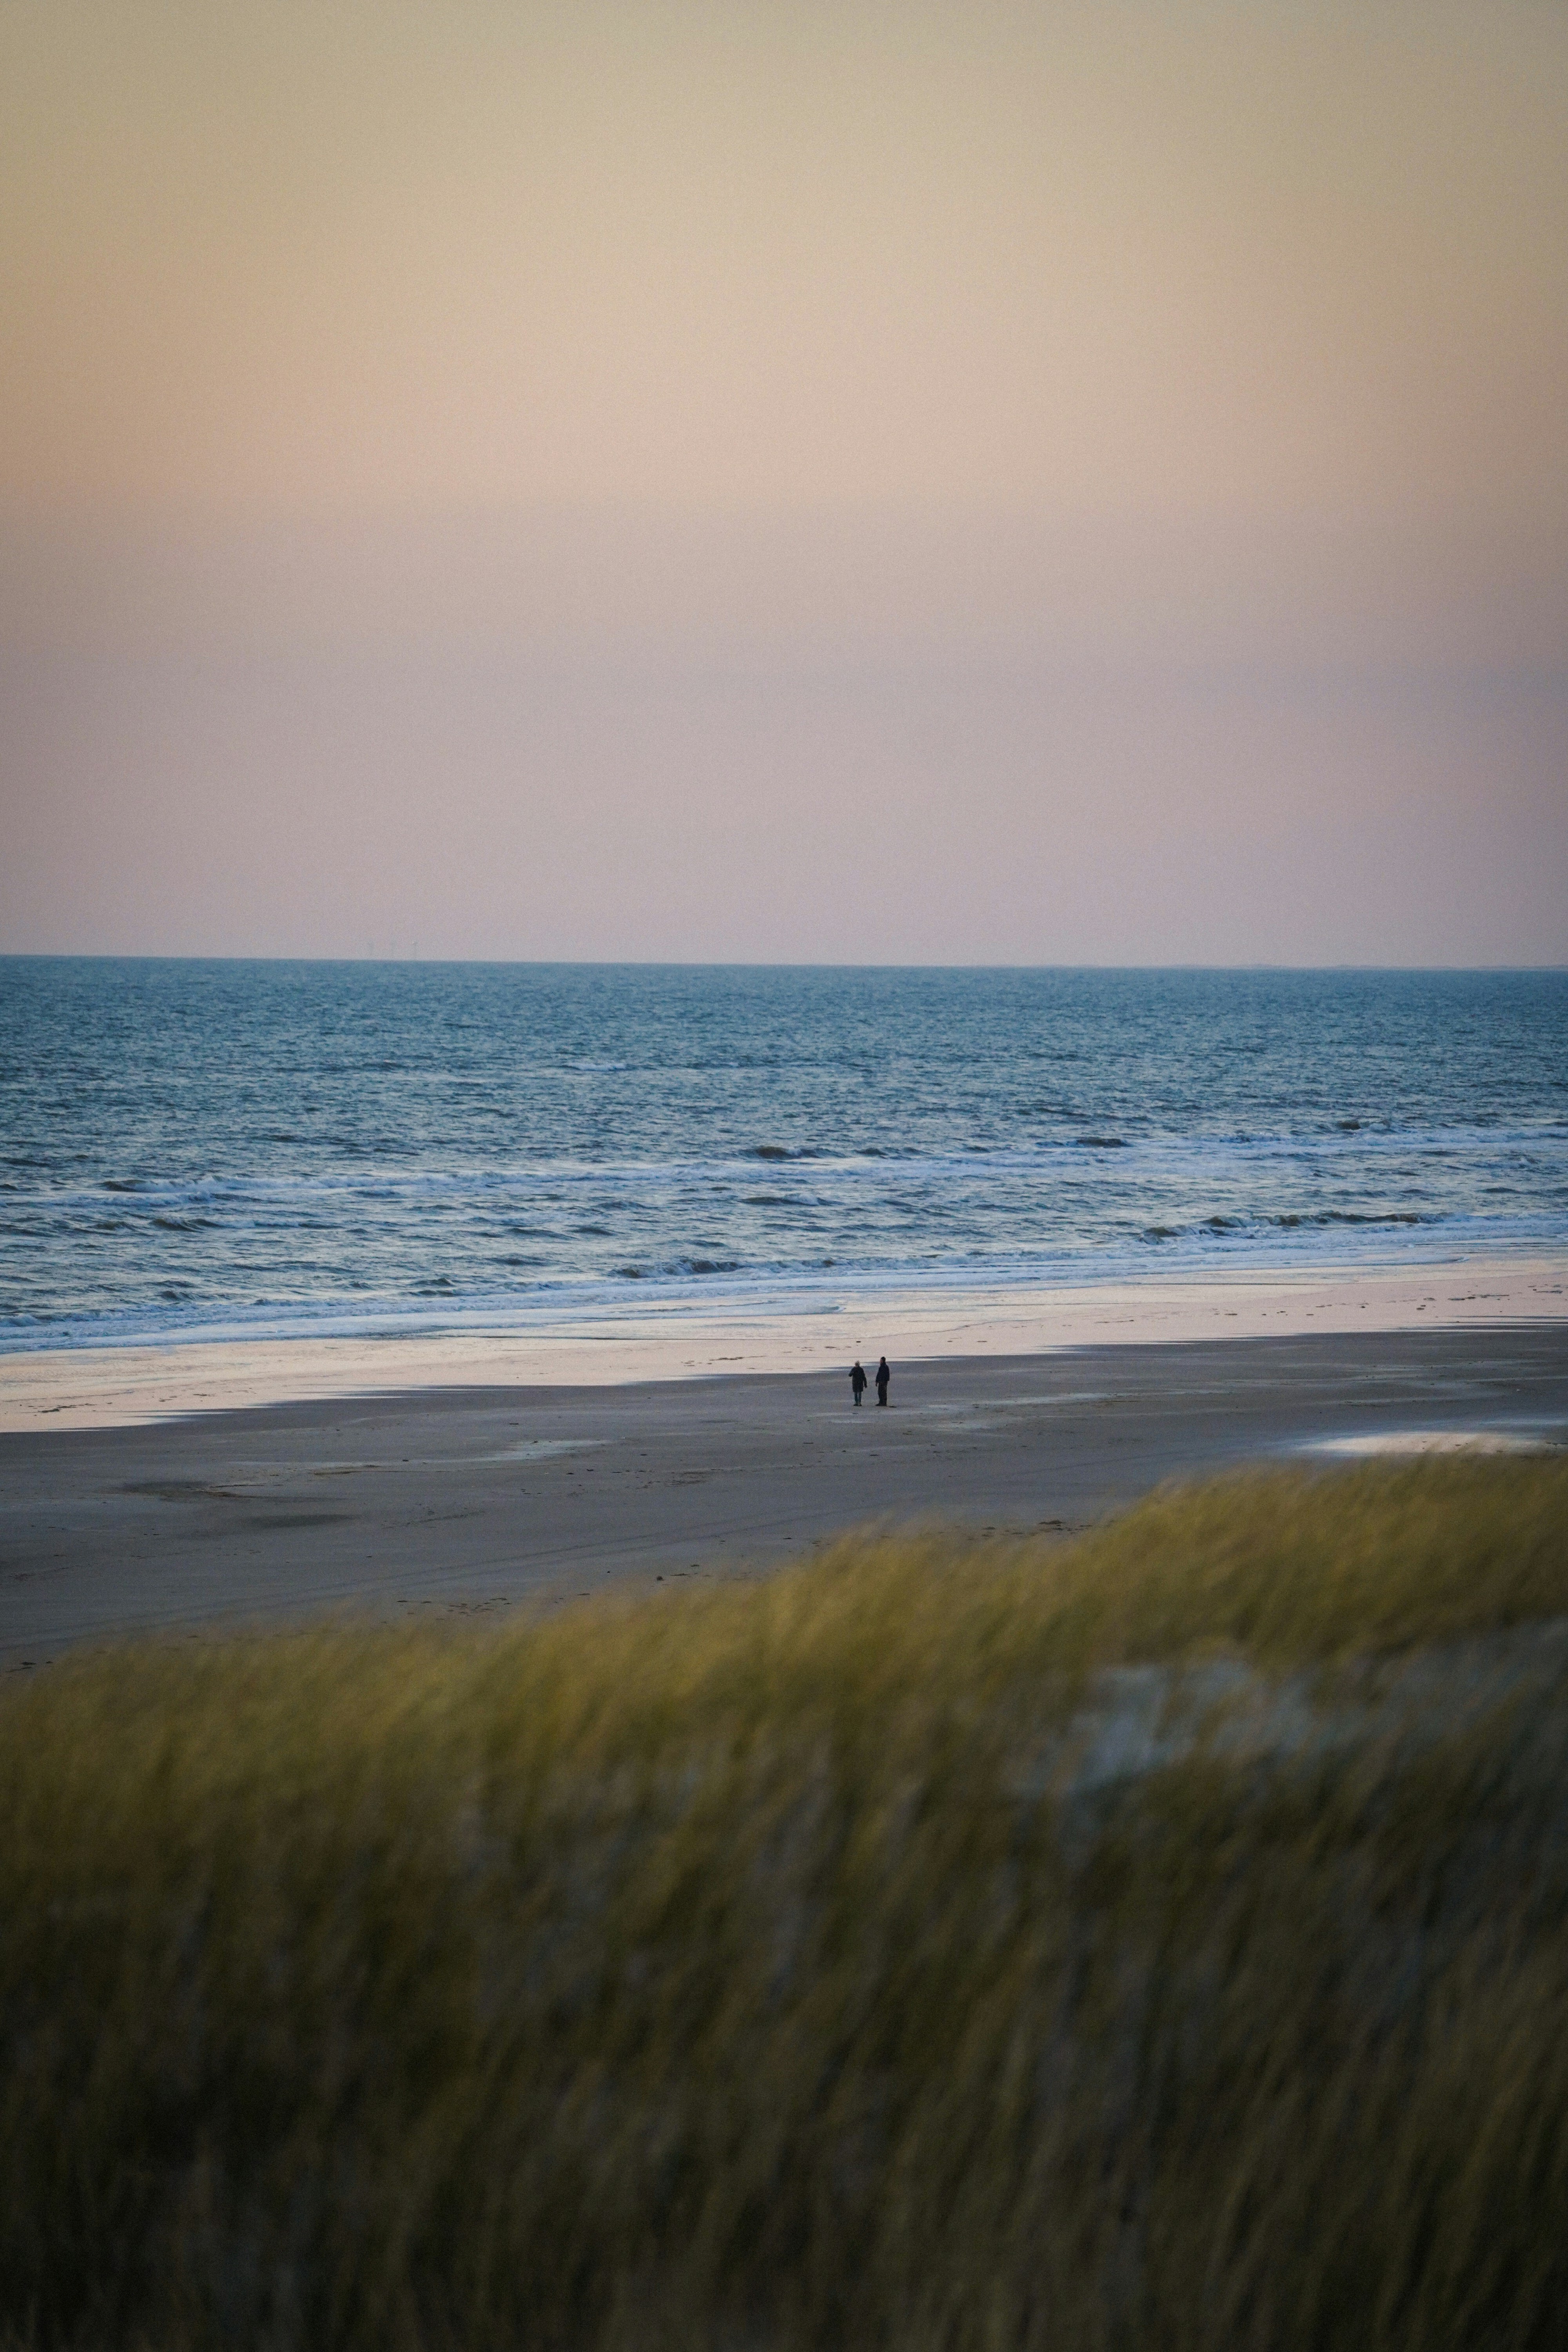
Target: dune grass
{"x":760,"y":1966}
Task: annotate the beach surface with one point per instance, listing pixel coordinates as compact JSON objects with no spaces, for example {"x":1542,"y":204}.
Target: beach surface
{"x":470,"y":1475}
{"x":82,"y":1388}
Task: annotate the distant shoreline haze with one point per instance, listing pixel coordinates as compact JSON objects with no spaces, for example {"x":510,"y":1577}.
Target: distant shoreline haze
{"x":414,"y":957}
{"x":839,"y":739}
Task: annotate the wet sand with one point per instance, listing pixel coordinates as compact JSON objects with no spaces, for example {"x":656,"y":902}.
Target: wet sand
{"x":84,"y":1387}
{"x":471,"y":1500}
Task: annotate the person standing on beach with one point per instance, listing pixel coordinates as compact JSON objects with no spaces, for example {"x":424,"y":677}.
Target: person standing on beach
{"x":858,"y":1379}
{"x":883,"y":1377}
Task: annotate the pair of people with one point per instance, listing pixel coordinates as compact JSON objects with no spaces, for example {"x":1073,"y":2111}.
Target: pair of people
{"x":858,"y":1380}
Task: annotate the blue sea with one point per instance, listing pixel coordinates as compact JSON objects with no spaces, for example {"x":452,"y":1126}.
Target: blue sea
{"x":227,"y":1148}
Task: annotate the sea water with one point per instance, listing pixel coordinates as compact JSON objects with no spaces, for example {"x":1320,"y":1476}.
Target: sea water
{"x":203,"y":1148}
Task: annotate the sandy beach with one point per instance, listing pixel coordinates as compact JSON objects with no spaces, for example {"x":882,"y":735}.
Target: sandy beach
{"x":82,"y":1388}
{"x":190,"y":1488}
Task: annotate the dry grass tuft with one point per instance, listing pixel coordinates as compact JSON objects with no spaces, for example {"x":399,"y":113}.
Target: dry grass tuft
{"x":855,"y":1958}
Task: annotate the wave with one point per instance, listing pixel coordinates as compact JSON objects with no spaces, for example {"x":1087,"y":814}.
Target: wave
{"x":1356,"y":1217}
{"x":678,"y":1268}
{"x":1538,"y":1153}
{"x":444,"y":1304}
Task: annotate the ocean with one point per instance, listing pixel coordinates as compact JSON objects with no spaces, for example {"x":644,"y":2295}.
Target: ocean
{"x":208,"y":1149}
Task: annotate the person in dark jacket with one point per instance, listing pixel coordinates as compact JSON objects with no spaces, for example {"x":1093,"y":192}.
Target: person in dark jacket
{"x":858,"y":1379}
{"x":883,"y":1377}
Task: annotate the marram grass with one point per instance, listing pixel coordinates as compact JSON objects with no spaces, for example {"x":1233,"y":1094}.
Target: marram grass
{"x":856,"y":1959}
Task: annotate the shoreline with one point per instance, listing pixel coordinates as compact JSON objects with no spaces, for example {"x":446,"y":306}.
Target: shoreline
{"x":458,"y":1502}
{"x":129,"y":1386}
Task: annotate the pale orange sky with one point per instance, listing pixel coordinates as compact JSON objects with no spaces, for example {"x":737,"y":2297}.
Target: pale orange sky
{"x":1053,"y":484}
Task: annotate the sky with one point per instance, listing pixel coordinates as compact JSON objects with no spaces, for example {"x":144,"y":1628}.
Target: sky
{"x":851,"y":483}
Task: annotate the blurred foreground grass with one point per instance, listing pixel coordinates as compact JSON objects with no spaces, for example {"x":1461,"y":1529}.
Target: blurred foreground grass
{"x":1160,"y":1940}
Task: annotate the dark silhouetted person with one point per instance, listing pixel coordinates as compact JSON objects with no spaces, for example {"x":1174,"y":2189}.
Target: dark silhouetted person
{"x":883,"y":1377}
{"x":858,"y":1379}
